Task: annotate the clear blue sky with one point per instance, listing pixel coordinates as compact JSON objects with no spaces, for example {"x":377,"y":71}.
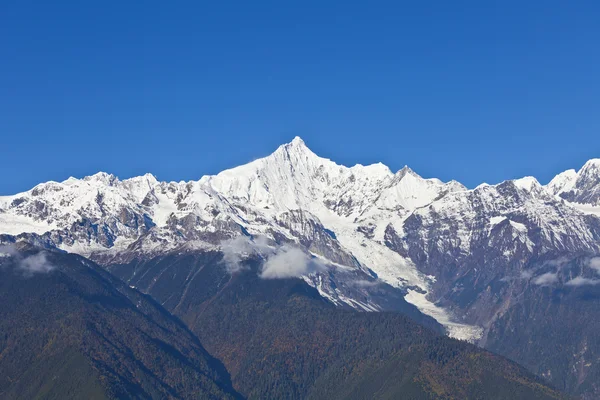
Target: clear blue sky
{"x":468,"y":90}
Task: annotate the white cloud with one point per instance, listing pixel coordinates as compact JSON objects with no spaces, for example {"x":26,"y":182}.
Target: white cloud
{"x":363,"y":283}
{"x":290,"y":262}
{"x":29,"y":265}
{"x":8,"y":250}
{"x":581,"y":281}
{"x":279,"y":262}
{"x":523,"y":275}
{"x":235,"y":251}
{"x":526,"y":274}
{"x":594,"y":263}
{"x":37,"y":263}
{"x":546,"y":279}
{"x":559,"y":262}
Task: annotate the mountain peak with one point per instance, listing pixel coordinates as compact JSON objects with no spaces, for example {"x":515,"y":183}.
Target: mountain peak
{"x":593,"y":161}
{"x":581,"y":187}
{"x":527,"y":183}
{"x":406,"y":170}
{"x":102,"y":177}
{"x":147,"y":178}
{"x":297,"y":141}
{"x":562,"y":182}
{"x":296,"y":145}
{"x":294,"y":151}
{"x":591,"y":167}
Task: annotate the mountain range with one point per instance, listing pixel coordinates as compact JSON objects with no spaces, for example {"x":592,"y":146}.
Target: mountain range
{"x":511,"y":267}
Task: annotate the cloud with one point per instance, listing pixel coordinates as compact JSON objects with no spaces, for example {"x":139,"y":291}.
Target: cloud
{"x":235,"y":251}
{"x":546,"y":279}
{"x":363,"y":283}
{"x":523,"y":275}
{"x":279,"y":262}
{"x":290,"y":262}
{"x":8,"y":250}
{"x":594,"y":263}
{"x":37,"y":263}
{"x":526,"y":274}
{"x":34,"y":264}
{"x":559,"y":262}
{"x":581,"y":281}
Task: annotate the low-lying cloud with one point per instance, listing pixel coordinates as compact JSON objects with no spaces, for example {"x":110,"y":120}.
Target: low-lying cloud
{"x":526,"y":274}
{"x":581,"y":281}
{"x":290,"y":262}
{"x":235,"y":251}
{"x":594,"y":263}
{"x":280,"y":262}
{"x":28,"y":265}
{"x":37,"y":263}
{"x":364,"y":283}
{"x":549,"y":278}
{"x":559,"y":262}
{"x":8,"y":250}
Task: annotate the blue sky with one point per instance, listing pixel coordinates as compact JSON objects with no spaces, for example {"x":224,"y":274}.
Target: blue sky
{"x":468,"y":90}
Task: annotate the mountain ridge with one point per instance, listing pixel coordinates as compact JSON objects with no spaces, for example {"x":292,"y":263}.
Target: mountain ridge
{"x":296,"y":142}
{"x":291,"y":196}
{"x":364,"y":237}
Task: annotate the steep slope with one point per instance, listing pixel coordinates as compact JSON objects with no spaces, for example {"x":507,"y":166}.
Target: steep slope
{"x":70,"y":331}
{"x":499,"y":229}
{"x":280,"y":338}
{"x":491,"y":250}
{"x":183,"y":281}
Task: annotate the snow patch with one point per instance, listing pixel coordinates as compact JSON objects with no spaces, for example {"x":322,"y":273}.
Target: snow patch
{"x":457,"y":330}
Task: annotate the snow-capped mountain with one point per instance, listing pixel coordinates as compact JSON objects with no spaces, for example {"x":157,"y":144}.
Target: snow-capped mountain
{"x":418,"y":235}
{"x":579,"y":187}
